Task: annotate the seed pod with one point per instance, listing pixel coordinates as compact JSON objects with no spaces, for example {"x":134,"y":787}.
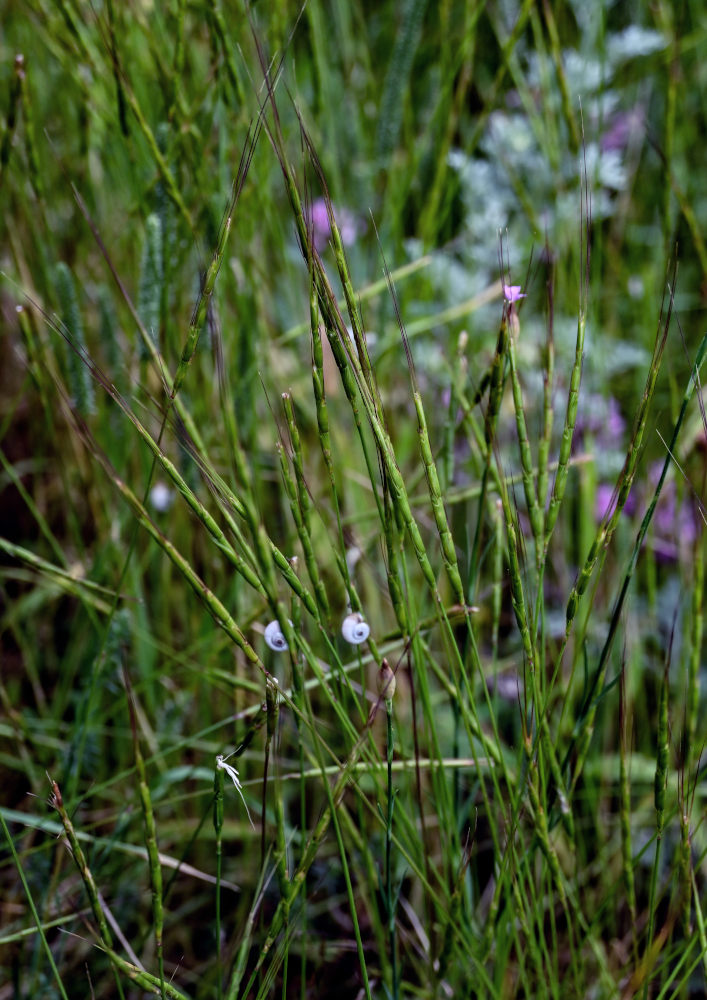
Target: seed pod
{"x":385,"y":682}
{"x":274,"y":638}
{"x":355,"y":629}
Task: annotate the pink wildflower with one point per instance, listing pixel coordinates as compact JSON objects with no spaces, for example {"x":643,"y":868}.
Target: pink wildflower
{"x":512,"y":293}
{"x":321,"y":227}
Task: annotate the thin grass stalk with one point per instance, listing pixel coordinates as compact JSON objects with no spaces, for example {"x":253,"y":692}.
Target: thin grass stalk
{"x":540,"y":826}
{"x":228,"y":502}
{"x":303,"y":499}
{"x":584,"y":726}
{"x":227,"y":48}
{"x":659,"y":791}
{"x":153,"y":854}
{"x":35,"y":914}
{"x":699,"y":920}
{"x":419,"y":657}
{"x":548,"y":410}
{"x":666,"y":16}
{"x":218,"y":611}
{"x":449,"y":552}
{"x":150,"y":290}
{"x":556,"y":49}
{"x":308,"y":857}
{"x":332,"y":679}
{"x":247,"y":934}
{"x":561,"y":474}
{"x":349,"y":383}
{"x":626,"y":477}
{"x":510,"y":869}
{"x":625,"y":816}
{"x":436,"y":206}
{"x":518,"y":597}
{"x":496,"y":383}
{"x":351,"y":305}
{"x":242,"y":566}
{"x":303,"y":502}
{"x":685,"y":856}
{"x":491,"y":100}
{"x":333,"y":811}
{"x":460,"y":687}
{"x":218,"y":816}
{"x":324,"y":436}
{"x":30,"y":134}
{"x":302,"y":704}
{"x":338,"y":339}
{"x":551,"y":946}
{"x":171,"y":186}
{"x":695,"y":656}
{"x":368,"y":876}
{"x":368,"y":292}
{"x":303,"y":534}
{"x":455,"y":914}
{"x":386,"y":689}
{"x":449,"y":432}
{"x":526,"y":458}
{"x":682,"y":987}
{"x":272,"y":701}
{"x":79,"y":857}
{"x":144,"y":980}
{"x":496,"y":586}
{"x":450,"y":686}
{"x":37,"y":359}
{"x":79,"y":378}
{"x":200,"y":311}
{"x":560,"y":483}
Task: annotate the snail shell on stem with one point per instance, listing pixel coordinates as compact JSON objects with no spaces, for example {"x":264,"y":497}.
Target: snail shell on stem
{"x":355,"y":629}
{"x":274,"y":638}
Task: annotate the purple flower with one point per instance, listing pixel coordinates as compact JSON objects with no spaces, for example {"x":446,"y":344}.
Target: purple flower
{"x":601,"y":419}
{"x":321,"y":228}
{"x":512,"y":293}
{"x":615,"y":423}
{"x":622,"y":127}
{"x":604,"y":502}
{"x":319,"y":220}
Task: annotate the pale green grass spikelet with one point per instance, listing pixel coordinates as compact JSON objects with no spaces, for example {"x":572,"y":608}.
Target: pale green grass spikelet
{"x":80,"y":383}
{"x":151,"y":275}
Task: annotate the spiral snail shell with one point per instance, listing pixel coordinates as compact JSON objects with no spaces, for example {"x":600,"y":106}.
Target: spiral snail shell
{"x":274,"y":638}
{"x":355,"y":629}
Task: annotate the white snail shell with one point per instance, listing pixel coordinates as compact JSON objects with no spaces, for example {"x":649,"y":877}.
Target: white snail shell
{"x":274,"y":638}
{"x":355,"y":629}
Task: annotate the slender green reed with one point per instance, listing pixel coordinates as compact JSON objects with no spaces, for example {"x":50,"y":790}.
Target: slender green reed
{"x":148,"y":817}
{"x":386,"y":691}
{"x":35,"y":914}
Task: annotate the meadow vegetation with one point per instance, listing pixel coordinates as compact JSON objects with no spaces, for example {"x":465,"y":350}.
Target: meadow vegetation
{"x":352,"y":472}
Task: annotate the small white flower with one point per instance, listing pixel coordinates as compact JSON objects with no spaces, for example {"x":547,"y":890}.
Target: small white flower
{"x":233,"y":775}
